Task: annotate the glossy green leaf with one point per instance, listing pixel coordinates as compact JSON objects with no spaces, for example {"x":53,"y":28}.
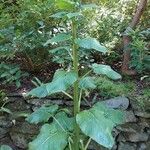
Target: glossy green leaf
{"x":106,"y":70}
{"x":62,"y":80}
{"x":54,"y":136}
{"x":67,"y":5}
{"x":58,"y":38}
{"x":87,"y":83}
{"x":91,"y":43}
{"x":5,"y":147}
{"x":98,"y":123}
{"x":42,"y":114}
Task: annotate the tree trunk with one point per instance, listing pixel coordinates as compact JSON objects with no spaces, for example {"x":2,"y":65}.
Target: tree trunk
{"x":127,"y":40}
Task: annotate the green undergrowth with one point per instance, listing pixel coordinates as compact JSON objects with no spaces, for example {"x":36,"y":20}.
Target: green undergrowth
{"x":110,"y":89}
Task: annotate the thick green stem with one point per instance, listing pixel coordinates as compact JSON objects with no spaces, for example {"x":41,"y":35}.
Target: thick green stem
{"x":76,"y":110}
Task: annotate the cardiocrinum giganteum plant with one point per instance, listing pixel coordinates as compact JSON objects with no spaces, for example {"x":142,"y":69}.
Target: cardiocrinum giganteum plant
{"x":74,"y":132}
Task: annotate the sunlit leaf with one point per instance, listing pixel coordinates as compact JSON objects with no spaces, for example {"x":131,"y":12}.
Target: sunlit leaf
{"x":91,"y":43}
{"x":42,"y":114}
{"x":106,"y":70}
{"x":98,"y":123}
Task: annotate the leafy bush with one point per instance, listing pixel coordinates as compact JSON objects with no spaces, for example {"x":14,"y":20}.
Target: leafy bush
{"x":140,"y":50}
{"x":26,"y":32}
{"x":11,"y":74}
{"x":108,"y":24}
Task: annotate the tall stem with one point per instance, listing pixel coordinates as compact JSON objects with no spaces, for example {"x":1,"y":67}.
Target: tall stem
{"x":76,"y":106}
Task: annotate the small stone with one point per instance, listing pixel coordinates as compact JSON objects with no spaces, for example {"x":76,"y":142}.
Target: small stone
{"x":115,"y":133}
{"x":133,"y":137}
{"x":14,"y":95}
{"x":7,"y":141}
{"x":129,"y":116}
{"x":120,"y":102}
{"x":19,"y":140}
{"x":22,"y":133}
{"x":136,"y":105}
{"x":141,"y":146}
{"x":148,"y":145}
{"x":3,"y":132}
{"x":142,"y":114}
{"x":127,"y":146}
{"x":138,"y":137}
{"x":25,"y":128}
{"x":17,"y":104}
{"x":121,"y":138}
{"x":144,"y":122}
{"x":114,"y":147}
{"x":4,"y":122}
{"x":130,"y":127}
{"x":40,"y":102}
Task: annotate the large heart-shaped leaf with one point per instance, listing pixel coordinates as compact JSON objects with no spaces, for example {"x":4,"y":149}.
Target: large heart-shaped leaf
{"x":5,"y":147}
{"x":58,"y":38}
{"x":53,"y":136}
{"x":106,"y":70}
{"x":91,"y":43}
{"x":98,"y":123}
{"x":64,"y":122}
{"x":87,"y":83}
{"x":42,"y":114}
{"x":61,"y":81}
{"x":50,"y":138}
